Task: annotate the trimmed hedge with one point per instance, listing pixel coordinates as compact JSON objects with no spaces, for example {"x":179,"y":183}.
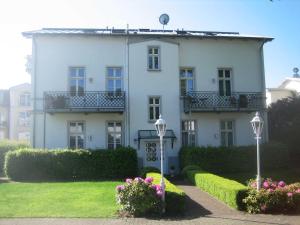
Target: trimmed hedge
{"x":175,"y":197}
{"x":228,"y":191}
{"x":9,"y":145}
{"x":229,"y":160}
{"x":39,"y":164}
{"x":148,"y":169}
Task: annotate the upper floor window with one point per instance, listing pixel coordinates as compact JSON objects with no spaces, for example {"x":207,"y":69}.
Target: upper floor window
{"x":153,"y":58}
{"x":227,"y":133}
{"x":24,"y":118}
{"x":114,"y":135}
{"x":77,"y":80}
{"x":224,"y":76}
{"x":25,"y":99}
{"x":186,"y":81}
{"x":114,"y":79}
{"x":154,"y":108}
{"x":188,"y":133}
{"x":76,"y":134}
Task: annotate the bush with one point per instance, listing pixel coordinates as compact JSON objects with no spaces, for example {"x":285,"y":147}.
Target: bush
{"x":230,"y":192}
{"x":139,"y":197}
{"x":175,"y":197}
{"x":148,"y":169}
{"x":273,"y":197}
{"x":39,"y":164}
{"x":188,"y":168}
{"x":9,"y":145}
{"x":222,"y":160}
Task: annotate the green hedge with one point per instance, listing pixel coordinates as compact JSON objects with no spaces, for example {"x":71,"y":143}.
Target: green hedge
{"x":39,"y":164}
{"x":228,"y":191}
{"x":175,"y":197}
{"x":229,"y":160}
{"x":9,"y":145}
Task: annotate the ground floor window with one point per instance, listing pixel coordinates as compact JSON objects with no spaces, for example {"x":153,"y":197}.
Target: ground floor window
{"x":76,"y":134}
{"x":188,"y":133}
{"x":227,"y":133}
{"x":114,"y":134}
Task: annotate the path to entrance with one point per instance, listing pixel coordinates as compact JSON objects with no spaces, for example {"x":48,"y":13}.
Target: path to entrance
{"x":201,"y":209}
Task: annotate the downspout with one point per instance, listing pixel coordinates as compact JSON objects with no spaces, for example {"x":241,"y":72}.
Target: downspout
{"x":34,"y":92}
{"x":128,"y":103}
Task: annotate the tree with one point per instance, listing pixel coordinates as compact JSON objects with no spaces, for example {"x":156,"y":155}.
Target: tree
{"x":284,"y":124}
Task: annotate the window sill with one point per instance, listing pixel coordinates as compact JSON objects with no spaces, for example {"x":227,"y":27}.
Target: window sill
{"x":154,"y":70}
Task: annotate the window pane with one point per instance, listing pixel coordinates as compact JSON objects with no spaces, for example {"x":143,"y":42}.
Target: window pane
{"x":155,"y":50}
{"x":189,"y":73}
{"x":73,"y":72}
{"x":156,"y":112}
{"x":227,"y":73}
{"x":110,"y":127}
{"x":192,"y":140}
{"x":183,"y":87}
{"x":156,"y":100}
{"x":150,"y":100}
{"x":190,"y":85}
{"x":150,"y":51}
{"x":223,"y":138}
{"x":118,"y":85}
{"x":151,"y":113}
{"x":182,"y":73}
{"x":220,"y":72}
{"x":118,"y":127}
{"x":228,"y":88}
{"x":80,"y":141}
{"x":185,"y":139}
{"x":156,"y":62}
{"x":80,"y":127}
{"x":150,"y":62}
{"x":230,"y":138}
{"x":110,"y":138}
{"x":110,"y":72}
{"x":118,"y":72}
{"x":81,"y":72}
{"x":192,"y":125}
{"x":229,"y":125}
{"x":221,"y":88}
{"x":110,"y":85}
{"x":72,"y":142}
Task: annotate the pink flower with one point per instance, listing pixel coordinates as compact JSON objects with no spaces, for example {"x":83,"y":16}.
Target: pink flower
{"x":281,"y":184}
{"x":128,"y":180}
{"x":120,"y":187}
{"x":153,"y":187}
{"x":289,"y":194}
{"x":149,"y":180}
{"x":138,"y":179}
{"x":297,"y":191}
{"x":266,"y":185}
{"x":159,"y":193}
{"x":270,"y":190}
{"x":158,"y":187}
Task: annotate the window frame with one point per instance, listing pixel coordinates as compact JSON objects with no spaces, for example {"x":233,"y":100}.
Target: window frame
{"x":152,"y":56}
{"x":226,"y":130}
{"x":224,"y":80}
{"x":70,"y":78}
{"x":122,"y":133}
{"x":24,"y":121}
{"x":185,"y":78}
{"x":153,"y":105}
{"x":27,"y":99}
{"x":83,"y":133}
{"x":107,"y":78}
{"x":189,"y":132}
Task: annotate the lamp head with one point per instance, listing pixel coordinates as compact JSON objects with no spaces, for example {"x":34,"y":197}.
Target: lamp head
{"x":257,"y":124}
{"x":160,"y":126}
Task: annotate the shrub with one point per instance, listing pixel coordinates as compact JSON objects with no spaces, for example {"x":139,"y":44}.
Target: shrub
{"x":221,"y":160}
{"x":273,"y":197}
{"x":139,"y":197}
{"x":9,"y":145}
{"x":39,"y":164}
{"x":188,"y":168}
{"x":148,"y":169}
{"x":175,"y":197}
{"x":230,"y":192}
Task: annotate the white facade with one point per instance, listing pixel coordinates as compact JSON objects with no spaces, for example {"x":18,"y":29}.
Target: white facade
{"x":54,"y":56}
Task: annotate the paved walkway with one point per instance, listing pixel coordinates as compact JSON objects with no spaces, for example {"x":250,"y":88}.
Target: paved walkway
{"x":201,"y":209}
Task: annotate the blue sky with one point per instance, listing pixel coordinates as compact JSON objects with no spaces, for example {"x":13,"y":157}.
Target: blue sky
{"x":279,"y":19}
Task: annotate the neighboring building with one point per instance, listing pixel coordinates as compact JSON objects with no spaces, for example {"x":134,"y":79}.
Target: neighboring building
{"x":102,"y":88}
{"x":20,"y":112}
{"x":290,"y":87}
{"x":4,"y":114}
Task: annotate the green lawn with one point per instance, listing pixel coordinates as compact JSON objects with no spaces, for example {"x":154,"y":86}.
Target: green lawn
{"x":68,"y":199}
{"x":287,"y":175}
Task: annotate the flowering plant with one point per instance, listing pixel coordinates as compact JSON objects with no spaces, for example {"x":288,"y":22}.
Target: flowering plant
{"x":273,"y":197}
{"x":139,"y":197}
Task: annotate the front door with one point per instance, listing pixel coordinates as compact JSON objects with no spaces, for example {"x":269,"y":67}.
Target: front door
{"x":152,"y":154}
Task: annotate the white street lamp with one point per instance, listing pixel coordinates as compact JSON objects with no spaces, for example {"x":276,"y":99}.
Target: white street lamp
{"x":257,"y":125}
{"x":160,"y":126}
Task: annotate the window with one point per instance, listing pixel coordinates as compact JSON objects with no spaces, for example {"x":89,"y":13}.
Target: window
{"x":153,"y":58}
{"x":114,"y":135}
{"x":224,"y":82}
{"x":188,"y":133}
{"x":76,"y":135}
{"x":227,"y":133}
{"x":186,"y":81}
{"x":25,"y":99}
{"x":24,"y":118}
{"x":114,"y":79}
{"x":77,"y":80}
{"x":154,"y":108}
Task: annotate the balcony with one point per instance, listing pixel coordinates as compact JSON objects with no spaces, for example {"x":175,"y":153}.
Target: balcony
{"x":101,"y":101}
{"x":196,"y":101}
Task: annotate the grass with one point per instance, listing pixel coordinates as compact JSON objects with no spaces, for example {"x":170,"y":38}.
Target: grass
{"x":68,"y":199}
{"x":287,"y":175}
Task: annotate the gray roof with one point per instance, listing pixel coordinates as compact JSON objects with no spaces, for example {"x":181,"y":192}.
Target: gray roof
{"x":142,"y":32}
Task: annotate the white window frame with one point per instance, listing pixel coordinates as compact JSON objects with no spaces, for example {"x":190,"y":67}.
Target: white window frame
{"x":186,"y":79}
{"x":224,"y":79}
{"x":153,"y":55}
{"x":114,"y":78}
{"x":76,"y":134}
{"x":25,"y":99}
{"x":77,"y":78}
{"x":190,"y":132}
{"x":226,"y":130}
{"x":154,"y":106}
{"x":25,"y":119}
{"x":113,"y":134}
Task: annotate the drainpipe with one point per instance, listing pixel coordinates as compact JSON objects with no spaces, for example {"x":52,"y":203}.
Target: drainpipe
{"x":33,"y":88}
{"x":128,"y":89}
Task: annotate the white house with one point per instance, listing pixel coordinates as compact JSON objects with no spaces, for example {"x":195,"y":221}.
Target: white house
{"x":103,"y":88}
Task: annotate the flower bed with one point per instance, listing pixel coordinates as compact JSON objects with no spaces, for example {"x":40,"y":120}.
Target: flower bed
{"x":273,"y":197}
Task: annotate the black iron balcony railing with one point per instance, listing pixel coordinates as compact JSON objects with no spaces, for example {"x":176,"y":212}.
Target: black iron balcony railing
{"x":96,"y":101}
{"x":197,"y":101}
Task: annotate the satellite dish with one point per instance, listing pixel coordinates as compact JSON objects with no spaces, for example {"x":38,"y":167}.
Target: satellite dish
{"x":164,"y":19}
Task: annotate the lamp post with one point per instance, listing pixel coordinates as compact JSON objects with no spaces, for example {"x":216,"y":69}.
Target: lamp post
{"x":160,"y":126}
{"x":257,"y":125}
